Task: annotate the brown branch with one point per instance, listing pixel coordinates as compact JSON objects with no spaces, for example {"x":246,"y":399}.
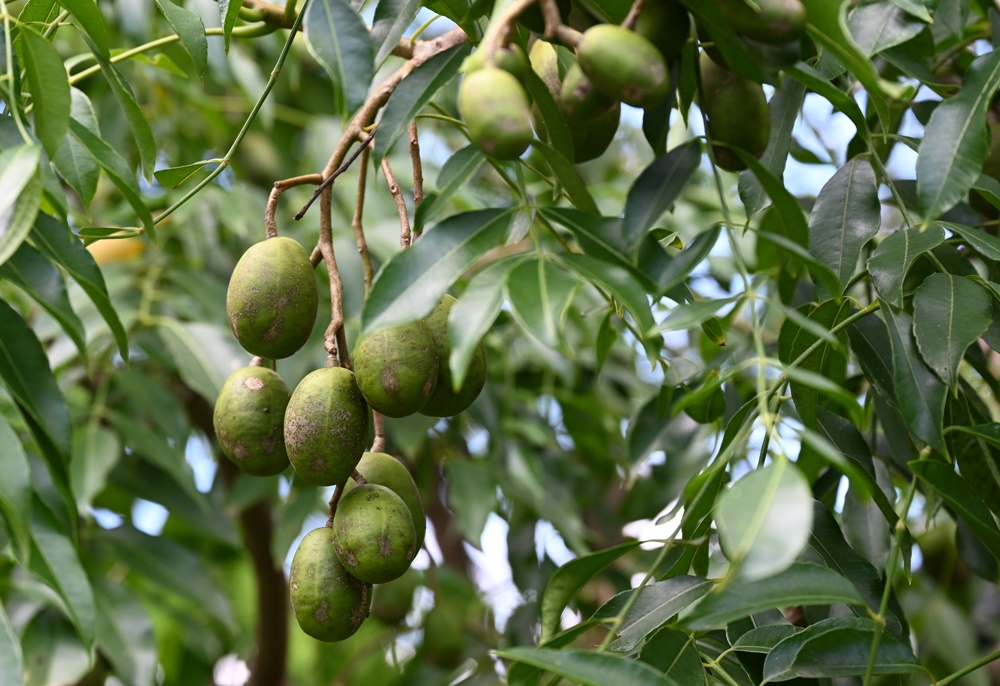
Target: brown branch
{"x":356,"y":221}
{"x":358,"y":479}
{"x":335,"y":340}
{"x":555,"y":30}
{"x":331,"y":507}
{"x":418,"y":170}
{"x":340,"y":170}
{"x":270,"y":226}
{"x":633,"y":14}
{"x":397,"y":195}
{"x":378,"y":445}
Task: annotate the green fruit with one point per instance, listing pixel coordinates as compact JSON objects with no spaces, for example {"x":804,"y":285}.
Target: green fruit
{"x":712,"y":77}
{"x":444,"y":637}
{"x":778,"y":21}
{"x":393,"y":600}
{"x":593,"y":137}
{"x":326,"y":426}
{"x":374,"y":536}
{"x":624,"y":65}
{"x":579,"y":100}
{"x":249,"y":419}
{"x":738,"y":116}
{"x":272,"y":298}
{"x":397,"y":368}
{"x":329,"y":604}
{"x":446,"y":402}
{"x":496,"y":110}
{"x":667,"y":26}
{"x":386,"y":470}
{"x":545,"y":63}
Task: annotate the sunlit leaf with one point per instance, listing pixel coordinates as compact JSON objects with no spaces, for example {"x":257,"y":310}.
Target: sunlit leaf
{"x":339,"y":40}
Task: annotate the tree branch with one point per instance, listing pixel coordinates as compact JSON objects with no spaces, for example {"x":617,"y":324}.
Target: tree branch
{"x":397,"y":196}
{"x":335,"y":341}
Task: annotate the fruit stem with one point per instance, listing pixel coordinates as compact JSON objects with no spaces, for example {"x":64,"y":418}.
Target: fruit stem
{"x":418,"y":171}
{"x":397,"y":196}
{"x":633,"y":14}
{"x":357,"y":227}
{"x":358,"y":479}
{"x":378,"y":445}
{"x":334,"y":500}
{"x":555,"y":30}
{"x":337,"y":172}
{"x":270,"y":227}
{"x":335,"y":341}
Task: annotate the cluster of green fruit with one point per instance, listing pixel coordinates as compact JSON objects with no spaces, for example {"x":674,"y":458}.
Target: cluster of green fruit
{"x":614,"y":65}
{"x":322,"y":429}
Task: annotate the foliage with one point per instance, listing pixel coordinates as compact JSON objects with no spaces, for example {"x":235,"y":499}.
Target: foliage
{"x":795,"y":382}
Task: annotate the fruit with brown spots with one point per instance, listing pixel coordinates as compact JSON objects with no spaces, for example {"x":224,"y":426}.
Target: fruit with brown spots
{"x":329,"y":604}
{"x":496,"y":110}
{"x":249,"y":419}
{"x":326,"y":426}
{"x":272,"y":298}
{"x":386,"y":470}
{"x":446,"y":401}
{"x":624,"y":65}
{"x":397,"y":368}
{"x":373,"y":534}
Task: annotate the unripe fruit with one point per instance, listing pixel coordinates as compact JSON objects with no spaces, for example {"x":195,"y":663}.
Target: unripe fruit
{"x":738,"y":115}
{"x":386,"y":470}
{"x":373,"y":534}
{"x":624,"y":65}
{"x":393,"y":600}
{"x":444,"y":637}
{"x":667,"y":26}
{"x":712,"y":76}
{"x":778,"y":21}
{"x":496,"y":110}
{"x":397,"y":368}
{"x":329,"y":603}
{"x":591,"y":138}
{"x":249,"y":420}
{"x":545,"y":63}
{"x":445,"y":402}
{"x":326,"y":426}
{"x":579,"y":99}
{"x":272,"y":298}
{"x":510,"y":58}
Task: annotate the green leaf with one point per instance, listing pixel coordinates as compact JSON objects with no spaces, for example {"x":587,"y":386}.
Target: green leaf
{"x":415,"y":91}
{"x":870,"y":343}
{"x":52,"y":651}
{"x":600,"y":237}
{"x":828,"y":27}
{"x":171,"y":566}
{"x":339,"y":40}
{"x":567,"y":174}
{"x":762,"y":639}
{"x":56,"y":242}
{"x":454,"y":174}
{"x":588,"y":668}
{"x":553,"y":123}
{"x":157,"y":450}
{"x":137,"y":123}
{"x":845,"y":217}
{"x":40,"y":279}
{"x":189,"y":28}
{"x":58,"y":564}
{"x":117,"y":170}
{"x":676,"y":654}
{"x":818,"y":83}
{"x":96,"y":450}
{"x":15,"y":495}
{"x":569,"y":579}
{"x":38,"y":11}
{"x":473,"y":315}
{"x":894,"y":255}
{"x":837,"y":647}
{"x":392,"y":18}
{"x":24,"y":370}
{"x":919,"y":393}
{"x":955,"y":142}
{"x":949,"y":314}
{"x":657,"y":603}
{"x":803,"y":583}
{"x":205,"y":354}
{"x":682,"y":264}
{"x":73,"y":161}
{"x":49,"y":87}
{"x":786,"y":205}
{"x":962,"y":498}
{"x":11,"y":659}
{"x":693,"y":314}
{"x":173,"y":177}
{"x":784,"y":105}
{"x":409,"y":285}
{"x":877,"y":26}
{"x":229,"y":10}
{"x":87,"y":14}
{"x":540,"y":294}
{"x":125,"y":635}
{"x":764,"y":520}
{"x":657,"y":187}
{"x":918,"y":8}
{"x":20,"y":195}
{"x":982,"y":242}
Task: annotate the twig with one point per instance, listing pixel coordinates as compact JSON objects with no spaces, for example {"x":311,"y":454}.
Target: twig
{"x":280,"y":187}
{"x":418,"y":170}
{"x":555,"y":30}
{"x":378,"y":445}
{"x":340,"y":170}
{"x":356,"y":221}
{"x":358,"y":479}
{"x":334,"y":340}
{"x":397,"y":195}
{"x":633,"y":14}
{"x":331,"y":506}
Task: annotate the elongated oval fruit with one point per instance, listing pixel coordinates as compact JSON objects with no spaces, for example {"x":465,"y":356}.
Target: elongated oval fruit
{"x":496,"y":110}
{"x":624,"y":65}
{"x":445,"y":401}
{"x":249,"y":420}
{"x":326,"y":426}
{"x":667,"y":26}
{"x":373,"y":534}
{"x":397,"y":368}
{"x":591,"y":138}
{"x":386,"y":470}
{"x":738,"y":116}
{"x":778,"y":21}
{"x":329,"y":604}
{"x":272,"y":298}
{"x":579,"y":99}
